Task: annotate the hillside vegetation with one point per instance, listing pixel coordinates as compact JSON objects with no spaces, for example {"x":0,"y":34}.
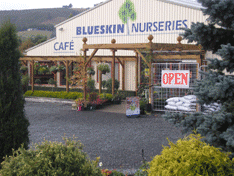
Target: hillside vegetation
{"x":42,"y":19}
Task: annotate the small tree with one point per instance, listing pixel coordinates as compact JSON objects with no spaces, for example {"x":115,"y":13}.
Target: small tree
{"x":13,"y":124}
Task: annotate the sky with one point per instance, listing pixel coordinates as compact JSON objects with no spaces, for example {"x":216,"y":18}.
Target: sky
{"x":30,"y":4}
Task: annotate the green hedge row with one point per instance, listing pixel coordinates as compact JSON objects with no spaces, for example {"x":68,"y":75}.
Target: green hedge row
{"x":61,"y":94}
{"x":124,"y":93}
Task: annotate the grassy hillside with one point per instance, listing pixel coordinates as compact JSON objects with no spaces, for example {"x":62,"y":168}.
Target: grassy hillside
{"x":38,"y":18}
{"x":28,"y":34}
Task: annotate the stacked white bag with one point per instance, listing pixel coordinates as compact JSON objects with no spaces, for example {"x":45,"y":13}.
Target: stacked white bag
{"x":211,"y":108}
{"x":186,"y":103}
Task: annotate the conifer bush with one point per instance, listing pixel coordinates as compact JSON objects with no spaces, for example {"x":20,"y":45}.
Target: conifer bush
{"x":216,"y":86}
{"x":13,"y":123}
{"x":191,"y":156}
{"x":51,"y":158}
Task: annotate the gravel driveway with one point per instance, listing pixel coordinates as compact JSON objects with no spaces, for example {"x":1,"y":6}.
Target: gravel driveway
{"x":118,"y":140}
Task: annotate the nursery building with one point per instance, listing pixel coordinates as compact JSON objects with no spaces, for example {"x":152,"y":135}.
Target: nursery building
{"x":121,"y":33}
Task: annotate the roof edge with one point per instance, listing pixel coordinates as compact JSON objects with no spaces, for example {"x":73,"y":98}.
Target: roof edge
{"x":180,"y":4}
{"x":47,"y":41}
{"x":80,"y":14}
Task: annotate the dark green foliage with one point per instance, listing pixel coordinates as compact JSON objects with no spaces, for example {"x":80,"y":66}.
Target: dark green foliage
{"x":116,"y":173}
{"x":13,"y":124}
{"x":217,"y":36}
{"x":109,"y":84}
{"x":91,"y":85}
{"x":51,"y":158}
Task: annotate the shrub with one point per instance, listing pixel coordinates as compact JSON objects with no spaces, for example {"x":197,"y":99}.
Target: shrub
{"x":37,"y":81}
{"x":106,"y":96}
{"x":51,"y":158}
{"x":93,"y":97}
{"x":191,"y":156}
{"x":62,"y":94}
{"x":91,"y":85}
{"x":109,"y":84}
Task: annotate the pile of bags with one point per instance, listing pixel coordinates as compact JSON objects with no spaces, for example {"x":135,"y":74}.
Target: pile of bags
{"x":186,"y":103}
{"x":211,"y":108}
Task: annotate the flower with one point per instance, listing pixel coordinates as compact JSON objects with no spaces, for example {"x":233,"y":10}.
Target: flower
{"x":100,"y":164}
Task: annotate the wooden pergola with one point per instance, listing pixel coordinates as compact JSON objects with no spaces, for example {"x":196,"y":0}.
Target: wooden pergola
{"x":184,"y":51}
{"x":157,"y":51}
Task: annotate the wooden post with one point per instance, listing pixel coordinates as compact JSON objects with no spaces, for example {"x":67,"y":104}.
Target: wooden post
{"x":67,"y":75}
{"x":113,"y":68}
{"x":136,"y":72}
{"x":150,"y":64}
{"x":85,"y":52}
{"x":123,"y":75}
{"x":100,"y":81}
{"x":32,"y":75}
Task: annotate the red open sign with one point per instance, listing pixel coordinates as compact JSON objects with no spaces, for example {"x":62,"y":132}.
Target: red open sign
{"x":175,"y":78}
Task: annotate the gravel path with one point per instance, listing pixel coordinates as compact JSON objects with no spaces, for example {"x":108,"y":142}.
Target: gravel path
{"x":118,"y":140}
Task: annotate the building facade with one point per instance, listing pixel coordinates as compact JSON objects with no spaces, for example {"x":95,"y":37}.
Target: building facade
{"x":126,"y":21}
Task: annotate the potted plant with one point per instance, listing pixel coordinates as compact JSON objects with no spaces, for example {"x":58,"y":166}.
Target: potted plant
{"x":38,"y":81}
{"x":104,"y":68}
{"x":52,"y":82}
{"x":23,"y":69}
{"x":60,"y":68}
{"x":43,"y":69}
{"x":90,"y":71}
{"x":36,"y":67}
{"x":80,"y":104}
{"x":117,"y":98}
{"x":53,"y":69}
{"x":91,"y":85}
{"x":109,"y":85}
{"x":92,"y":101}
{"x":142,"y":106}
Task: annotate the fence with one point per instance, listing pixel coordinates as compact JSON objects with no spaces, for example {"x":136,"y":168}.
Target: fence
{"x":174,"y":99}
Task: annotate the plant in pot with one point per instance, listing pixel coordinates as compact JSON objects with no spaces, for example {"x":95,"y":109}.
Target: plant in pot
{"x":92,"y":101}
{"x":52,"y":82}
{"x":104,"y":68}
{"x":37,"y":81}
{"x":36,"y":67}
{"x":60,"y":68}
{"x":109,"y":84}
{"x":23,"y":69}
{"x":53,"y":69}
{"x":43,"y":69}
{"x":142,"y":105}
{"x":117,"y":98}
{"x":90,"y":71}
{"x":24,"y":81}
{"x":91,"y":84}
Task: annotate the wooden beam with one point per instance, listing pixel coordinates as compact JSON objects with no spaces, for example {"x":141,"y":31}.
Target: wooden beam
{"x":150,"y":80}
{"x":90,"y":57}
{"x":136,"y":72}
{"x":123,"y":75}
{"x":32,"y":75}
{"x":187,"y":57}
{"x":67,"y":75}
{"x":113,"y":72}
{"x":121,"y":63}
{"x":100,"y":81}
{"x":136,"y":50}
{"x":84,"y":82}
{"x":118,"y":46}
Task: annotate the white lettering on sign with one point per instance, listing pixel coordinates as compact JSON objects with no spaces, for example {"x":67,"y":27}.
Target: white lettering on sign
{"x":175,"y":78}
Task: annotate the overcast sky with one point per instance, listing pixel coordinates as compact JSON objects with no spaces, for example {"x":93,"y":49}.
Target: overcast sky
{"x":30,"y":4}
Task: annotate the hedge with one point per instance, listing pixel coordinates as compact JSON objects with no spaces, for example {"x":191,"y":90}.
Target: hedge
{"x":61,"y":94}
